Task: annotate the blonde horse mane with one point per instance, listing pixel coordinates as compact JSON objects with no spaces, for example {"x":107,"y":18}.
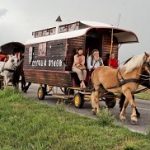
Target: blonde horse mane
{"x":134,"y":62}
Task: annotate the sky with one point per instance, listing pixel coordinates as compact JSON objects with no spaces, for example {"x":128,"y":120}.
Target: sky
{"x":18,"y":18}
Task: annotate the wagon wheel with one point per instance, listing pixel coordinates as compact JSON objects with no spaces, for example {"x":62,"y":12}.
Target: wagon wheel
{"x":78,"y":100}
{"x":110,"y":100}
{"x":41,"y":93}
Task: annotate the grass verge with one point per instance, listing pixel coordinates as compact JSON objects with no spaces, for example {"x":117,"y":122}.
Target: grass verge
{"x":28,"y":124}
{"x":144,"y":95}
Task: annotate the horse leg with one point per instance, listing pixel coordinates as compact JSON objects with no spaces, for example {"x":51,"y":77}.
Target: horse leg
{"x":130,"y":99}
{"x":123,"y":110}
{"x":121,"y":103}
{"x":95,"y":102}
{"x":137,"y":112}
{"x":4,"y":81}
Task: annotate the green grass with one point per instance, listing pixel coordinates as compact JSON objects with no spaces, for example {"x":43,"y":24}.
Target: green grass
{"x":27,"y":124}
{"x":143,"y":95}
{"x":105,"y":118}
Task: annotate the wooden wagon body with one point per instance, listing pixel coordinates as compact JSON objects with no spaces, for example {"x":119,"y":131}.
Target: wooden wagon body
{"x":49,"y":55}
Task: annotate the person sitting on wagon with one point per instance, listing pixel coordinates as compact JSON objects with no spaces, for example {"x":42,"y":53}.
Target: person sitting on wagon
{"x":113,"y":62}
{"x":94,"y":60}
{"x":79,"y":67}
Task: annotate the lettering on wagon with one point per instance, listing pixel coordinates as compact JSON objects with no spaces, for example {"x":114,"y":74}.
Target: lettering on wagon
{"x":49,"y":63}
{"x":55,"y":63}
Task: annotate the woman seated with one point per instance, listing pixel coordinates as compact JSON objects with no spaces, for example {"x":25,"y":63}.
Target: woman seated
{"x":79,"y":67}
{"x":94,"y":60}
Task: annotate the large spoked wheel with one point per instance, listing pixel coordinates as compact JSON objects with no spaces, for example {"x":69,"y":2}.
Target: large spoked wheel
{"x":78,"y":100}
{"x":41,"y":93}
{"x":110,"y":100}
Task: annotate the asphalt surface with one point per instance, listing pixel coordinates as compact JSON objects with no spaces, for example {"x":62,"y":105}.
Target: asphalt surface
{"x":143,"y":125}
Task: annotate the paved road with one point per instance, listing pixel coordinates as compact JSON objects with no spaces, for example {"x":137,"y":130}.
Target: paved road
{"x":143,"y":106}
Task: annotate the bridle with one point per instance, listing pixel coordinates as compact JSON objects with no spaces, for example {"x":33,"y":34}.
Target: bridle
{"x":143,"y":77}
{"x":11,"y":70}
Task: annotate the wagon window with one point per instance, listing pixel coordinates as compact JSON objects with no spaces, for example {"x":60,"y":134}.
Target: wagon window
{"x":45,"y":33}
{"x":42,"y":49}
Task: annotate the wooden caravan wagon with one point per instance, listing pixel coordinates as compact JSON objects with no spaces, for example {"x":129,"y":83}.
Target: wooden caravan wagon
{"x":49,"y":55}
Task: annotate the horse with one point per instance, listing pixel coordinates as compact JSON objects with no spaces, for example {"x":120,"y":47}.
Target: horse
{"x":144,"y":81}
{"x":123,"y":80}
{"x":8,"y":70}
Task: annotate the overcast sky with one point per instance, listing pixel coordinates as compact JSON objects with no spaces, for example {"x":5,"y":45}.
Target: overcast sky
{"x":18,"y":18}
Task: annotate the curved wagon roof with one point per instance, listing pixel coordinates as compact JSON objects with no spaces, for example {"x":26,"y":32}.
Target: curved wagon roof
{"x":122,"y":35}
{"x":12,"y":47}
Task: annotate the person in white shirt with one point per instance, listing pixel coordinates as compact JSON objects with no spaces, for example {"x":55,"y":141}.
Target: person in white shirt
{"x":94,"y":60}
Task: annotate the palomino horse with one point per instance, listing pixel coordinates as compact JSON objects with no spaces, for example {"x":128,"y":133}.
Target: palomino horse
{"x":123,"y":80}
{"x":144,"y":81}
{"x":8,"y":70}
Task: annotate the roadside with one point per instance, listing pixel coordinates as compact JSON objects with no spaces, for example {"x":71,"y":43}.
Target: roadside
{"x":144,"y":95}
{"x":143,"y":106}
{"x":30,"y":124}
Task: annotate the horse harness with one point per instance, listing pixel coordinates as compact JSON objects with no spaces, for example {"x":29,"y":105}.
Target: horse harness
{"x":11,"y":70}
{"x":123,"y":81}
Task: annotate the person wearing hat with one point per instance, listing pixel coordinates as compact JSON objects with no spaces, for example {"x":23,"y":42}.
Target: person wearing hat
{"x":79,"y":67}
{"x":94,"y":60}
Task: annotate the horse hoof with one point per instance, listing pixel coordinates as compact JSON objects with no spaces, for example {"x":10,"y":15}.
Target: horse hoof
{"x":122,"y":118}
{"x":134,"y":120}
{"x":93,"y":112}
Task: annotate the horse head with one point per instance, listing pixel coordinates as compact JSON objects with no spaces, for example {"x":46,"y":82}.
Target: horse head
{"x":9,"y":69}
{"x":12,"y":62}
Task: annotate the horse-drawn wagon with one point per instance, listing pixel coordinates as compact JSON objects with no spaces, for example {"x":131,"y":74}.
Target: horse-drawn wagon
{"x":49,"y":55}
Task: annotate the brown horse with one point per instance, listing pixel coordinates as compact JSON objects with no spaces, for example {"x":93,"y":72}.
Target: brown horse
{"x":123,"y":80}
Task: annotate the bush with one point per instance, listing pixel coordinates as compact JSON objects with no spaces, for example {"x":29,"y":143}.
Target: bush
{"x":105,"y":118}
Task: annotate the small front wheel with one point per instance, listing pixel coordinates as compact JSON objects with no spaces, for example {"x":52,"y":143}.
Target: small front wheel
{"x":41,"y":93}
{"x":78,"y":100}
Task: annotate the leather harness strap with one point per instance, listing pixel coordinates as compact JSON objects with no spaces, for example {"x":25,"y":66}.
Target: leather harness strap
{"x":10,"y":70}
{"x":123,"y":81}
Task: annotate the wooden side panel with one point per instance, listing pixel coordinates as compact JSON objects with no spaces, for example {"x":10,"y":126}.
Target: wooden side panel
{"x":73,"y":45}
{"x":53,"y":78}
{"x":48,"y":69}
{"x":53,"y":60}
{"x":106,"y":45}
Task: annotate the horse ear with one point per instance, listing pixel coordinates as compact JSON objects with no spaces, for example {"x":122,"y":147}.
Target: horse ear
{"x":146,"y":54}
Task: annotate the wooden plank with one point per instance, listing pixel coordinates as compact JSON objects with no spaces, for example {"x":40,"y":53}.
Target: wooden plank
{"x":52,"y":78}
{"x":106,"y":42}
